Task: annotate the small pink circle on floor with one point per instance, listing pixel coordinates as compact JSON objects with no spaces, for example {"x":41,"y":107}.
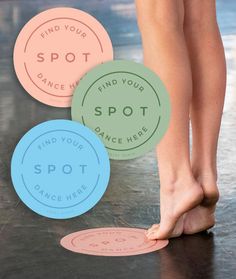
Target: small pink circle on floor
{"x":111,"y":242}
{"x":55,"y":49}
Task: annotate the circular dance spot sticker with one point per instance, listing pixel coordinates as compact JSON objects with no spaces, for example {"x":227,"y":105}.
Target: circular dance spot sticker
{"x":126,"y":104}
{"x":55,"y":49}
{"x":111,"y":242}
{"x":60,"y":169}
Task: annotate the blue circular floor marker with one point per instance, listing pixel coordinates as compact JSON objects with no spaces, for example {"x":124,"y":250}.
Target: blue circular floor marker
{"x":60,"y":169}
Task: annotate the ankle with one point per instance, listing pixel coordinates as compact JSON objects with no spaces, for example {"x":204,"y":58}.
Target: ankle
{"x":172,"y":183}
{"x":204,"y":165}
{"x":207,"y":177}
{"x":204,"y":172}
{"x":174,"y":174}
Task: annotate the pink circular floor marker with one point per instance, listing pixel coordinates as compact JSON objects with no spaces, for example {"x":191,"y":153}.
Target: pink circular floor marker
{"x":111,"y":242}
{"x":55,"y":49}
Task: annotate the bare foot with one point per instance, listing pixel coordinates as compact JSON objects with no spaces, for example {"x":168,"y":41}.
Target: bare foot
{"x":177,"y":231}
{"x":176,"y":199}
{"x":202,"y":217}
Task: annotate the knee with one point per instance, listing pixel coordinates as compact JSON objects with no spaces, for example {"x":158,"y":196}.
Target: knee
{"x":155,"y":15}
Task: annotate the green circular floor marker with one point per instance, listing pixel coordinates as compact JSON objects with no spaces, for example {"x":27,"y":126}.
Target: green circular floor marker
{"x":126,"y":105}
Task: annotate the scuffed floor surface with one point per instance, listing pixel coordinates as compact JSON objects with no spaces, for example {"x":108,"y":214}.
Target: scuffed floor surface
{"x":29,"y":244}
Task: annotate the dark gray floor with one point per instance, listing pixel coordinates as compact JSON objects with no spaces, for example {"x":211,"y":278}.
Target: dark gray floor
{"x":29,"y":244}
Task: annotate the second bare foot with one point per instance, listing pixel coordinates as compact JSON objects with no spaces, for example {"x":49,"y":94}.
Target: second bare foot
{"x":203,"y":216}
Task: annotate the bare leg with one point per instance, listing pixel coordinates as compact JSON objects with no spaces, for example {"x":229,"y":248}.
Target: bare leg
{"x":209,"y":78}
{"x":165,"y":52}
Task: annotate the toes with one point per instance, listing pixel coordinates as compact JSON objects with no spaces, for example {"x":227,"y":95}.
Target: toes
{"x":164,"y":232}
{"x":152,"y":235}
{"x":156,"y":233}
{"x":153,"y":227}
